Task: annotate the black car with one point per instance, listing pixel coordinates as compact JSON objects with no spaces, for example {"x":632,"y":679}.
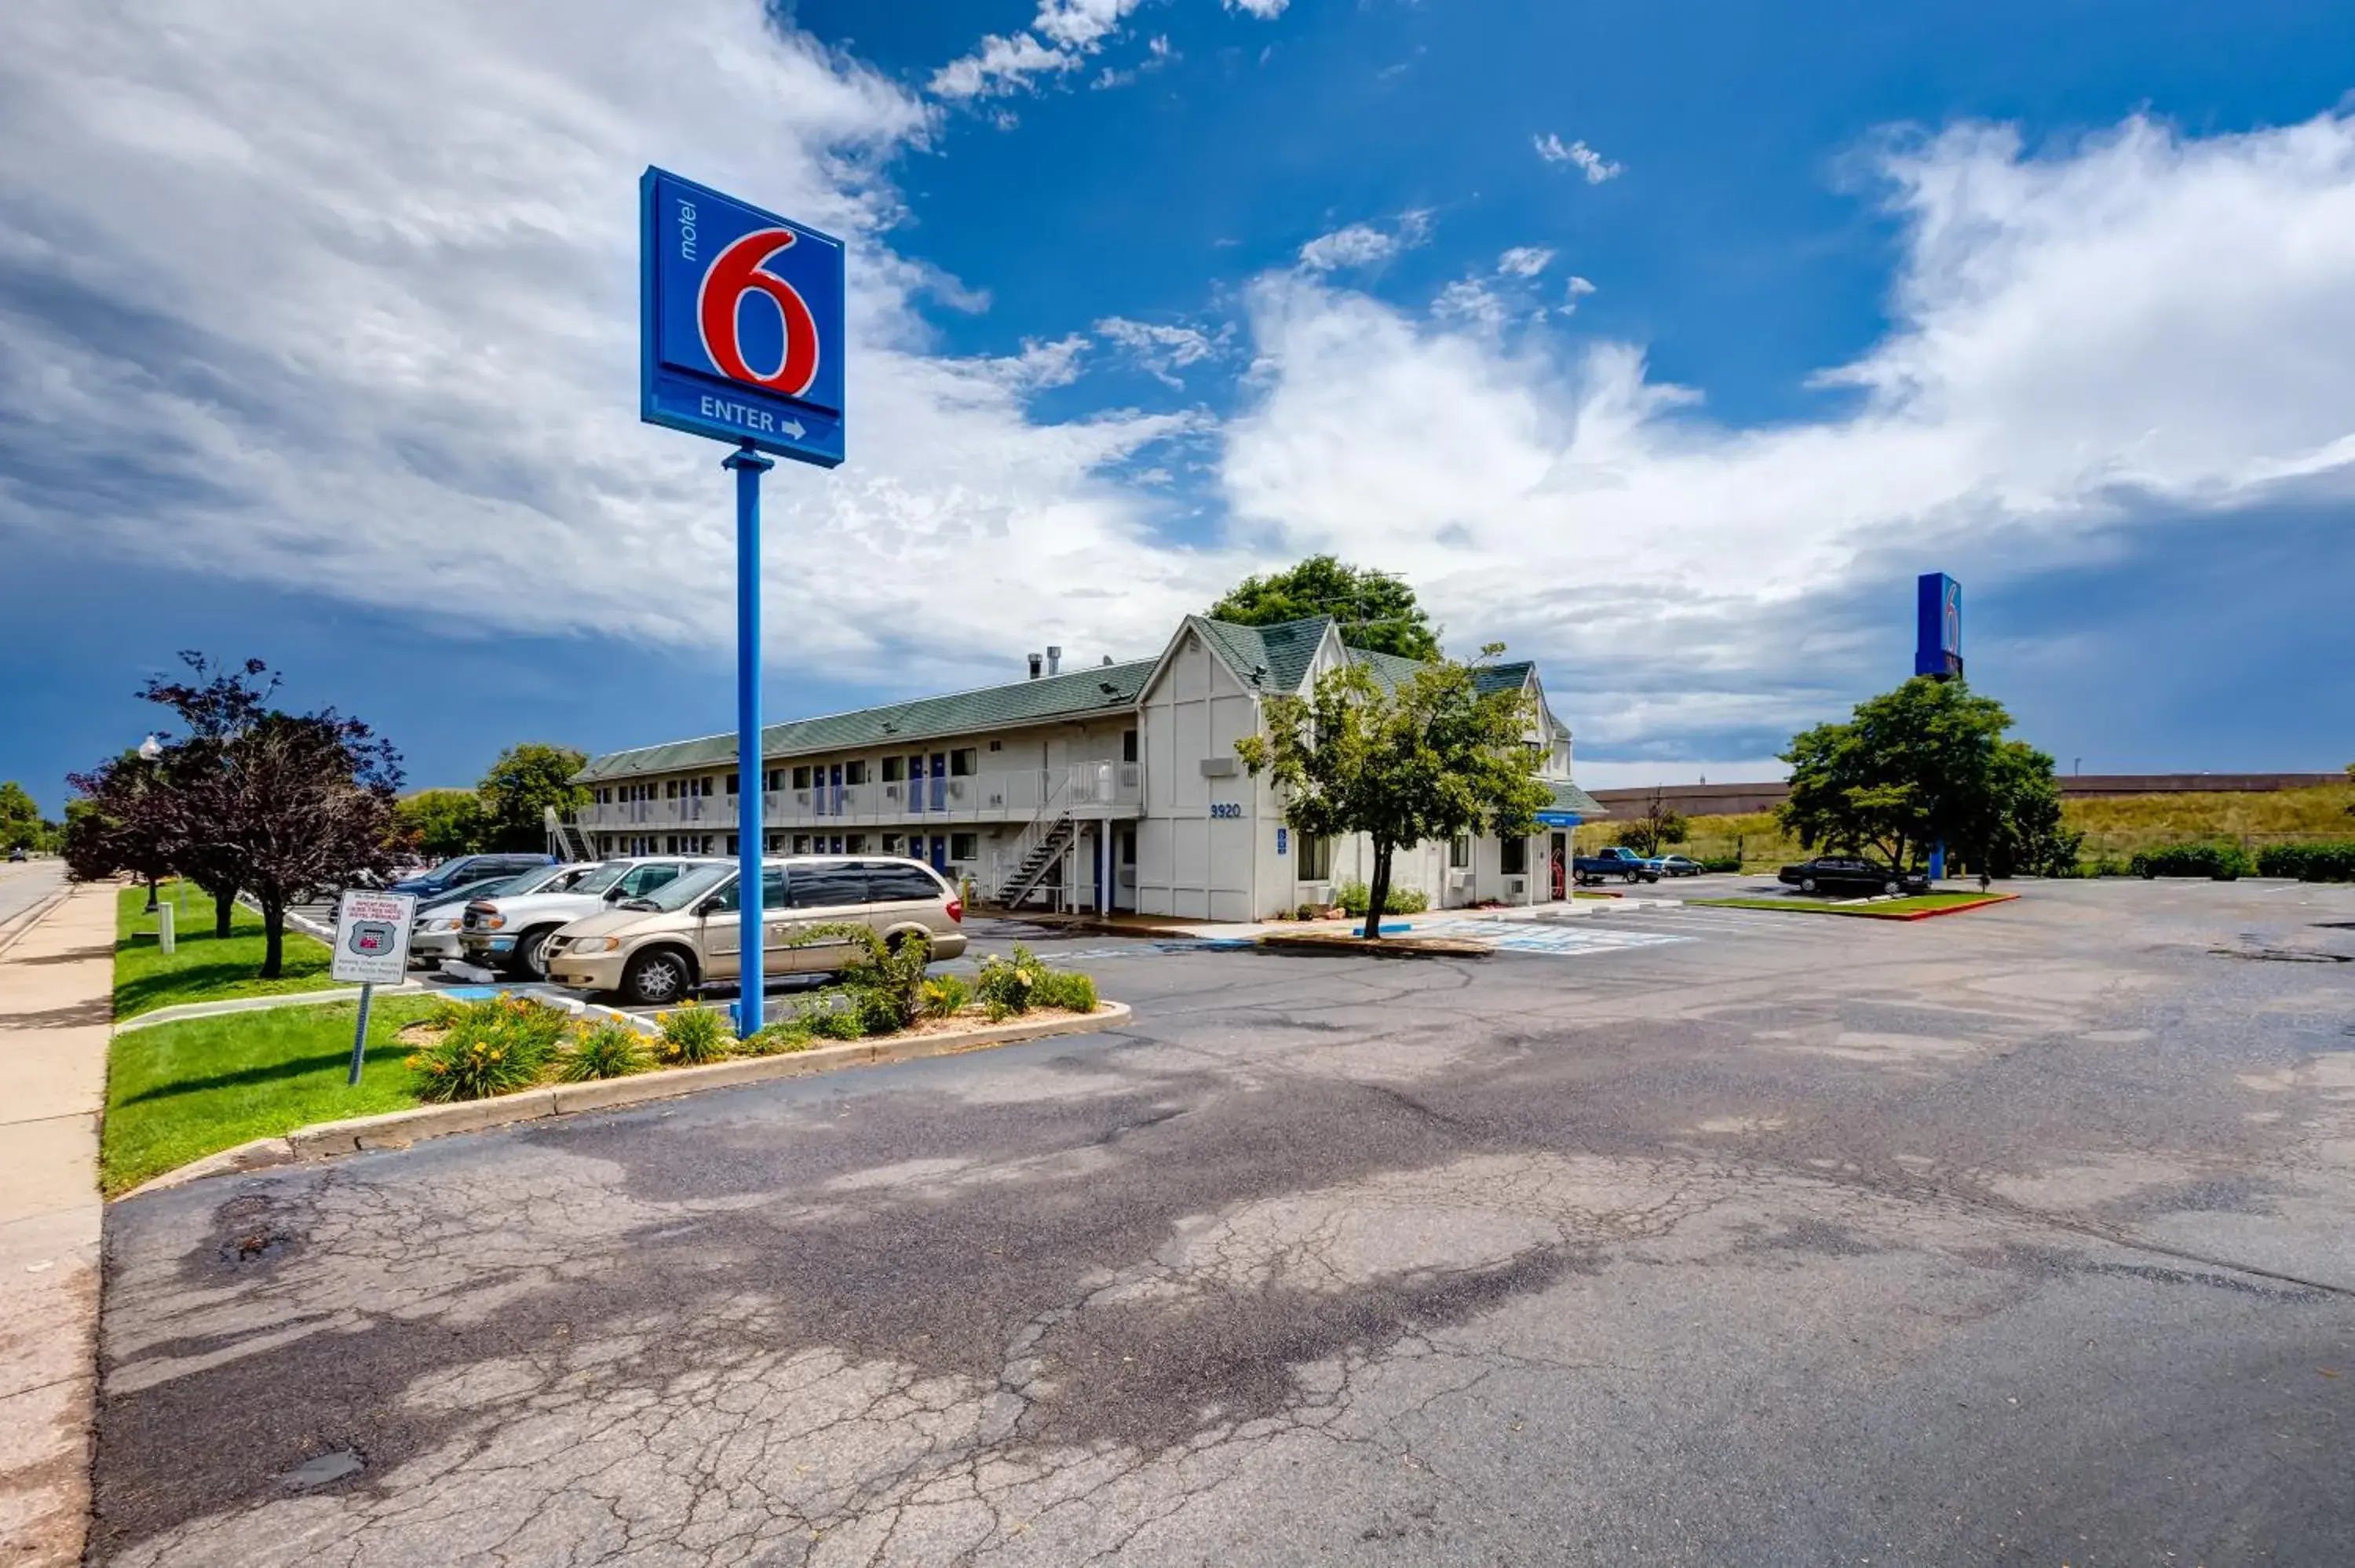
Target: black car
{"x":465,"y":868}
{"x":1851,"y":874}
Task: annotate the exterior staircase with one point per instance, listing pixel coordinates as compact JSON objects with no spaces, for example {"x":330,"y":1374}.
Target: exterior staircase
{"x":1050,"y":834}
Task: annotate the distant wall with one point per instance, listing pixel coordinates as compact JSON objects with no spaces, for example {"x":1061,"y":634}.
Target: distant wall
{"x":1734,"y":800}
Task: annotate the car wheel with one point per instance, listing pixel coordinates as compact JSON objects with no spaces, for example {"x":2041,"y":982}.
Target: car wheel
{"x":1807,"y":884}
{"x":531,"y":955}
{"x":1890,"y":887}
{"x":657,"y":977}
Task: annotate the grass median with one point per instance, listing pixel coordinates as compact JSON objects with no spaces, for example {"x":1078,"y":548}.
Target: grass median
{"x":205,"y":967}
{"x":176,"y":1091}
{"x":1879,"y":909}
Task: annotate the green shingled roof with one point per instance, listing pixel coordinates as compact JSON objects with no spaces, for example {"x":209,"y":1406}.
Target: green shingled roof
{"x":1048,"y":698}
{"x":1570,"y":798}
{"x":1283,"y":650}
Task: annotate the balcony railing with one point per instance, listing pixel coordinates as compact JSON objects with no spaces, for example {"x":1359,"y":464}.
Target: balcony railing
{"x":1090,"y":788}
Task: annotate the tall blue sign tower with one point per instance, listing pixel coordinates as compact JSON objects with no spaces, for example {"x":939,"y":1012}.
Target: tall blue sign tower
{"x":741,"y":339}
{"x":1937,"y":626}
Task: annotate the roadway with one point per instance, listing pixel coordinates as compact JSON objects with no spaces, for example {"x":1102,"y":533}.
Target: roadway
{"x":1709,"y":1237}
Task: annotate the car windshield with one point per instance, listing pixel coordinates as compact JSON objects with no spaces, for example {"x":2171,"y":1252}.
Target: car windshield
{"x":685,"y":889}
{"x":540,"y":880}
{"x":466,"y":891}
{"x":604,"y":877}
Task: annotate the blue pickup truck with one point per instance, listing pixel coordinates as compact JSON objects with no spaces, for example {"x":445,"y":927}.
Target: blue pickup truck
{"x":1623,"y":863}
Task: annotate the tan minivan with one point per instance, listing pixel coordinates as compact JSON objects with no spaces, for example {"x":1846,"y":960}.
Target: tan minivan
{"x":657,"y":949}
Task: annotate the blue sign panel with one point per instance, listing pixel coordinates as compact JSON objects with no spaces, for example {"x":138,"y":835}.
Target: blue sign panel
{"x":740,"y":335}
{"x":1938,"y":626}
{"x":1558,"y":819}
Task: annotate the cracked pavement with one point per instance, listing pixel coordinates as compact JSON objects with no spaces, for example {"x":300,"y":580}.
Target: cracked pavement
{"x":2018,"y":1238}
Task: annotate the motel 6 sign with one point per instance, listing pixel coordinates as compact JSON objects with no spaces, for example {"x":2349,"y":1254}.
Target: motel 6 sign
{"x":741,"y":322}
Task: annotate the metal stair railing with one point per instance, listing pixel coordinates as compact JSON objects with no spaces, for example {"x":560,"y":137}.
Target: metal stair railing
{"x":1042,"y":840}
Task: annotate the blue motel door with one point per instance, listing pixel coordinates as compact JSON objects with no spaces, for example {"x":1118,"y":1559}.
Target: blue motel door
{"x":916,"y":784}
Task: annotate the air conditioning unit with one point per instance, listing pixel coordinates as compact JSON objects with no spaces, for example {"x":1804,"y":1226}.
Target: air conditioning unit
{"x":890,"y":791}
{"x":1459,"y":879}
{"x":1517,"y":885}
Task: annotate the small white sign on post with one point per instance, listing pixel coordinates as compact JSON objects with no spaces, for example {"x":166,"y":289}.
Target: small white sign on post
{"x":372,"y":937}
{"x":372,"y":947}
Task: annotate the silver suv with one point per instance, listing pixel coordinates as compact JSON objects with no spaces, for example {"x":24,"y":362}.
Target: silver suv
{"x":509,"y":932}
{"x":657,"y":949}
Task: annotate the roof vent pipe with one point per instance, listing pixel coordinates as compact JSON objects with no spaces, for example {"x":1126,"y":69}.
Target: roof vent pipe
{"x":1035,"y":662}
{"x":1054,"y":660}
{"x":1107,"y":659}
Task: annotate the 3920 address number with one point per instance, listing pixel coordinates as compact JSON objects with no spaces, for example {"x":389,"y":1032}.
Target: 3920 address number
{"x":1222,"y":809}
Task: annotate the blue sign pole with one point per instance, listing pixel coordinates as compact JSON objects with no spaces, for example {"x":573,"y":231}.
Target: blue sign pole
{"x":751,"y":988}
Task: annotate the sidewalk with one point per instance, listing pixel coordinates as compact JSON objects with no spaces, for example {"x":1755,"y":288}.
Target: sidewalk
{"x":57,"y":986}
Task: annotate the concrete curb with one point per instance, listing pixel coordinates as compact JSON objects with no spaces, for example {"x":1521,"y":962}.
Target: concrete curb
{"x":1337,"y":945}
{"x":259,"y":1004}
{"x":399,"y":1129}
{"x":14,"y":930}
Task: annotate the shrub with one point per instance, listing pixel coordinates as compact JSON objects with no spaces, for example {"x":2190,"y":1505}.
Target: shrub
{"x":693,"y":1036}
{"x":491,"y":1047}
{"x":1066,"y":989}
{"x":1353,"y":898}
{"x":832,"y":1016}
{"x":2310,"y":861}
{"x":1003,"y":985}
{"x":1306,"y":912}
{"x":885,"y":981}
{"x":782,"y":1038}
{"x":1723,"y":862}
{"x":2223,"y":862}
{"x":611,"y":1049}
{"x":944,"y":996}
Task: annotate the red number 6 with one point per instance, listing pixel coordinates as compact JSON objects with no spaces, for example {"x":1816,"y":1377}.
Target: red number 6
{"x":735,"y":272}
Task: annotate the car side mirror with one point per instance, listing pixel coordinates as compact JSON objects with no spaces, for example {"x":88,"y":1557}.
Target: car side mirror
{"x":612,"y":895}
{"x":709,"y":907}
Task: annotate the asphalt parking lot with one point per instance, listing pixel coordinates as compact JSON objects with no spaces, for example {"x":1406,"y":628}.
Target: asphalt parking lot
{"x":1737,"y":1237}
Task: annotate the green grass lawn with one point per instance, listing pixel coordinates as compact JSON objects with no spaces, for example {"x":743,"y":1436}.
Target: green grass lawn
{"x":205,"y":967}
{"x":175,"y":1092}
{"x":1874,"y":910}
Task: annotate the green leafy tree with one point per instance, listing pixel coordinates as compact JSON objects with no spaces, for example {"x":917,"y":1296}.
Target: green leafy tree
{"x":522,"y":784}
{"x":1376,"y":610}
{"x":1923,"y":764}
{"x":20,"y":820}
{"x":1661,"y":826}
{"x":439,"y":823}
{"x":1428,"y":758}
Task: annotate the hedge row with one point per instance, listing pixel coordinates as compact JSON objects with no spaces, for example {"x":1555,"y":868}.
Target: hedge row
{"x":2223,"y":862}
{"x":2309,"y":862}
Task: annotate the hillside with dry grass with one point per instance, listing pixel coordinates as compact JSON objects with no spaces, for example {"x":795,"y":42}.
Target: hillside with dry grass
{"x":2113,"y":825}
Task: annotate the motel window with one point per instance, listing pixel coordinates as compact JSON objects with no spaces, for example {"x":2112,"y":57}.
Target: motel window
{"x":854,"y":772}
{"x":891,"y":844}
{"x":1513,"y":855}
{"x":731,"y":784}
{"x":892,"y":769}
{"x":964,"y":846}
{"x":1316,"y":858}
{"x":802,"y":777}
{"x":856,"y":843}
{"x":670,"y":789}
{"x":800,"y":843}
{"x":1459,"y":851}
{"x":961,"y":763}
{"x":1128,"y":746}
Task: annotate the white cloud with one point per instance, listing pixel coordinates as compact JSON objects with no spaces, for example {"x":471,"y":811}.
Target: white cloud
{"x":1590,"y":163}
{"x":2083,"y":341}
{"x":1060,"y":36}
{"x":1576,"y":289}
{"x":1470,"y":300}
{"x":1524,"y":261}
{"x":1265,"y":10}
{"x":1361,"y":244}
{"x":344,"y":298}
{"x":1161,"y":349}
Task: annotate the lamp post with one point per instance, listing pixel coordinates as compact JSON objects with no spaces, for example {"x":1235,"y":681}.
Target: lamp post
{"x":149,"y":750}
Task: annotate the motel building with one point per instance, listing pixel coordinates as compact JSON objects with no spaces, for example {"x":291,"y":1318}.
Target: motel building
{"x":1114,"y":787}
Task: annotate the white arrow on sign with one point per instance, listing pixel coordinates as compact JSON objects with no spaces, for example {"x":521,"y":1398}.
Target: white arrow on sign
{"x":794,"y":429}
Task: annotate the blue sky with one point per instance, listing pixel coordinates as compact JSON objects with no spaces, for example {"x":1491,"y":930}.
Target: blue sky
{"x":1666,"y":345}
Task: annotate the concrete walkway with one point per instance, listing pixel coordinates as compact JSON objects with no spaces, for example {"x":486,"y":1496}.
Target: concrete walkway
{"x":56,"y":1007}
